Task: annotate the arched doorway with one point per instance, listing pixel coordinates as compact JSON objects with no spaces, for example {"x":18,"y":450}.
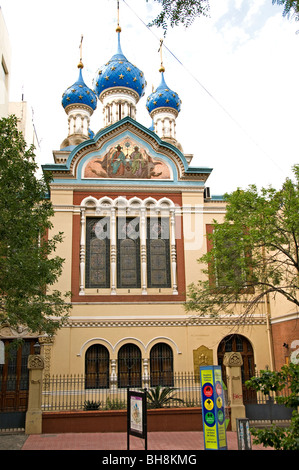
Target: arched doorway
{"x":238,"y":343}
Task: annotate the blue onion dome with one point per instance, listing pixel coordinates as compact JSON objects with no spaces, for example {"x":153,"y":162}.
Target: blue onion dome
{"x":79,"y":93}
{"x":119,"y":72}
{"x":163,"y":97}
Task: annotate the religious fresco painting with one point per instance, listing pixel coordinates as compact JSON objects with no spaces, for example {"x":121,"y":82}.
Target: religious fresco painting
{"x":127,"y":160}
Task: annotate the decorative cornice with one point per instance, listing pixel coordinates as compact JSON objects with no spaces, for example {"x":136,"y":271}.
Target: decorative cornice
{"x":199,"y":321}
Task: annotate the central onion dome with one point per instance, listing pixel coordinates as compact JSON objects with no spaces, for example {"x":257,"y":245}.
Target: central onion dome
{"x":119,"y":85}
{"x":119,"y":72}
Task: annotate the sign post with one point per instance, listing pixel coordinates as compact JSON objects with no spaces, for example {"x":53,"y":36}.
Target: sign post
{"x":213,"y":411}
{"x":243,"y":433}
{"x":136,"y":416}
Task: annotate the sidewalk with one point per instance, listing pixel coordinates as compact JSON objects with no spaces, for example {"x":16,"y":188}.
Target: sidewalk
{"x":175,"y":441}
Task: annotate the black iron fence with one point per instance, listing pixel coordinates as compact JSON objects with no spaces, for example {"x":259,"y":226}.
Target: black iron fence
{"x":74,"y":392}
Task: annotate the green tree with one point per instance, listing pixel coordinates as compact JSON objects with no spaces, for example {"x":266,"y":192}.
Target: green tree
{"x":291,"y":7}
{"x":280,"y":438}
{"x":27,"y":261}
{"x":177,"y":12}
{"x":184,"y":12}
{"x":255,"y":252}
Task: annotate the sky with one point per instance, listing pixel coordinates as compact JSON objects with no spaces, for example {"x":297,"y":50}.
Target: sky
{"x":236,"y":72}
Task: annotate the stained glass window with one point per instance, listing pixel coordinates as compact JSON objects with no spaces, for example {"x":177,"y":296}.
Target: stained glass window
{"x":97,"y":253}
{"x":158,"y":256}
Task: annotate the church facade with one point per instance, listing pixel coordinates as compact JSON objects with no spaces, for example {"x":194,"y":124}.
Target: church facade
{"x":135,"y":214}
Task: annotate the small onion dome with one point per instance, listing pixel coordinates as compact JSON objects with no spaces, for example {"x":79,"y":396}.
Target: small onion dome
{"x":79,"y":93}
{"x":163,"y":97}
{"x":119,"y":72}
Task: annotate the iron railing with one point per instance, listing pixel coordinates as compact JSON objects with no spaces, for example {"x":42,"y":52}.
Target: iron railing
{"x":69,"y":392}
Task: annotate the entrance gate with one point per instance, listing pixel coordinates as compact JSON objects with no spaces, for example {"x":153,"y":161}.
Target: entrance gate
{"x":14,"y":384}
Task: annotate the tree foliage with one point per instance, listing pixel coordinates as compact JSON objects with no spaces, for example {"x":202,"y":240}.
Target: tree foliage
{"x":27,"y":261}
{"x":254,"y":254}
{"x":280,"y":438}
{"x":291,"y":7}
{"x":184,"y":12}
{"x":176,"y":12}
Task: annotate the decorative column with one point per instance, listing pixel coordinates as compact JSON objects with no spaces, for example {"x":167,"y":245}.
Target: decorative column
{"x":143,"y":250}
{"x":113,"y":376}
{"x":145,"y":377}
{"x":82,"y":252}
{"x":113,"y":251}
{"x":233,"y":362}
{"x":173,"y":252}
{"x":33,"y":424}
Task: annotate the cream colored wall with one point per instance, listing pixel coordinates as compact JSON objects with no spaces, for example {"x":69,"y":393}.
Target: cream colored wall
{"x":113,"y":324}
{"x":63,"y":222}
{"x":5,"y":59}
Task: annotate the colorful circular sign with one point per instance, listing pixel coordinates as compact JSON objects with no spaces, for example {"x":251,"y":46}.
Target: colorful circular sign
{"x":220,"y":416}
{"x":219,"y":402}
{"x":208,"y":390}
{"x":218,"y":388}
{"x":209,"y":404}
{"x":210,"y":418}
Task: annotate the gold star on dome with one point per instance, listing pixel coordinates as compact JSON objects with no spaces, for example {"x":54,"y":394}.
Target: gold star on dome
{"x":112,"y":68}
{"x":121,"y":62}
{"x":106,"y":78}
{"x":128,"y":69}
{"x":141,"y":74}
{"x":81,"y":86}
{"x":100,"y":72}
{"x":73,"y":90}
{"x":87,"y":92}
{"x":160,"y":94}
{"x":80,"y":97}
{"x":167,"y":101}
{"x":155,"y":102}
{"x":121,"y":76}
{"x":68,"y":98}
{"x":134,"y":79}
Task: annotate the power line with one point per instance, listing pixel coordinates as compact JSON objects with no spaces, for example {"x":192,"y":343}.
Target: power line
{"x":205,"y":89}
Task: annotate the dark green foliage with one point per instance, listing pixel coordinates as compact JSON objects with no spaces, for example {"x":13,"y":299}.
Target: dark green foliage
{"x":90,"y":405}
{"x":255,"y":252}
{"x":27,"y":261}
{"x":158,"y":397}
{"x":177,"y":12}
{"x":280,"y":438}
{"x":291,"y":7}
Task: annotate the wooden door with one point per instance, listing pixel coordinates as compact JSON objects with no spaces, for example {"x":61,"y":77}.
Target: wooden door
{"x":238,"y":343}
{"x":14,"y":376}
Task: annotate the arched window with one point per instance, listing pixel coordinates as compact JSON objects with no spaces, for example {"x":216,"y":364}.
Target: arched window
{"x":238,"y":343}
{"x":161,"y":365}
{"x":129,"y":366}
{"x":97,"y":367}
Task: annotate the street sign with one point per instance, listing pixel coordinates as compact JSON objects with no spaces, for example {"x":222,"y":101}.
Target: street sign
{"x":213,"y":411}
{"x":136,"y":416}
